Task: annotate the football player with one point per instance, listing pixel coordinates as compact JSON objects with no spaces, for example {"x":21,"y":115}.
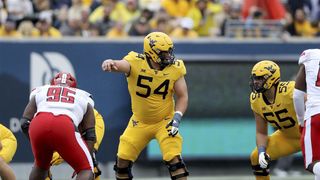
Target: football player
{"x":99,"y":127}
{"x":153,"y":78}
{"x":52,"y":119}
{"x":8,"y":147}
{"x":308,"y":80}
{"x":272,"y":102}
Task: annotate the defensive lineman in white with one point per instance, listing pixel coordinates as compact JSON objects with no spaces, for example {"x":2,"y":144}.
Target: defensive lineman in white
{"x":308,"y":81}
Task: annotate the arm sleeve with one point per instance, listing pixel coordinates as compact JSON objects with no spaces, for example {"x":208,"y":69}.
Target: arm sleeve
{"x":299,"y":106}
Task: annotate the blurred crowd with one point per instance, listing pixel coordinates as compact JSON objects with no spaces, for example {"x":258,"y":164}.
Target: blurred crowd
{"x":178,"y":18}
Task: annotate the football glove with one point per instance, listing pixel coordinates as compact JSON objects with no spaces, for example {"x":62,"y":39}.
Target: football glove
{"x":25,"y":123}
{"x":174,"y":124}
{"x":264,"y":160}
{"x":97,"y":171}
{"x":56,"y":159}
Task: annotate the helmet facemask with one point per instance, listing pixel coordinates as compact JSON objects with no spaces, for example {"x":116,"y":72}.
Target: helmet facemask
{"x":166,"y":58}
{"x":158,"y":47}
{"x":258,"y":83}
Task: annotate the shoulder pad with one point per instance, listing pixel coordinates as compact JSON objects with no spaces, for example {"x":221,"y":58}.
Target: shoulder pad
{"x":91,"y":101}
{"x":291,"y":87}
{"x":254,"y":97}
{"x":292,"y":83}
{"x":284,"y":83}
{"x":134,"y":56}
{"x":88,"y":96}
{"x":35,"y":91}
{"x":179,"y":64}
{"x":286,"y":87}
{"x":308,"y":55}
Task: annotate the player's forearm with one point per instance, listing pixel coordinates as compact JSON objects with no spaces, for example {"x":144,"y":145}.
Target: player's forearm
{"x":5,"y":171}
{"x":111,"y":65}
{"x":90,"y":145}
{"x":89,"y":135}
{"x":261,"y":139}
{"x":30,"y":110}
{"x":182,"y":104}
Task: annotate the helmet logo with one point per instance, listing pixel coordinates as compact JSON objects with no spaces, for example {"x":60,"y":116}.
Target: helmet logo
{"x":152,"y":42}
{"x":64,"y":78}
{"x":270,"y":68}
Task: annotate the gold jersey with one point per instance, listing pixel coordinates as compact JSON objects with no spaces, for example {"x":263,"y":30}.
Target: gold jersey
{"x":281,"y":113}
{"x":152,"y":90}
{"x":100,"y":128}
{"x":9,"y":144}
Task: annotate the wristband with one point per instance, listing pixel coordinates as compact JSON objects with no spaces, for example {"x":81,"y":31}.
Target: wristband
{"x":179,"y":112}
{"x":177,"y":116}
{"x":261,"y":149}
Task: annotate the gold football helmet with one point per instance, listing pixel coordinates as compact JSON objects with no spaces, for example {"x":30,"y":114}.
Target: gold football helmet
{"x":264,"y":75}
{"x":159,"y":48}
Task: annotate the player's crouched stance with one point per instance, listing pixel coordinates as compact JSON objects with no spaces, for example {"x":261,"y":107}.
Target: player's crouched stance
{"x":153,"y":78}
{"x":272,"y":101}
{"x":51,"y":120}
{"x":170,"y":145}
{"x":99,"y":129}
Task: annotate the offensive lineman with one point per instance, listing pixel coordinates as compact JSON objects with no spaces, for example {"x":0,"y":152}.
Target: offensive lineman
{"x":272,"y":102}
{"x":153,"y":78}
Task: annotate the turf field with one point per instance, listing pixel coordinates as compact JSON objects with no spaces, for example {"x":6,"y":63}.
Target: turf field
{"x":305,"y":177}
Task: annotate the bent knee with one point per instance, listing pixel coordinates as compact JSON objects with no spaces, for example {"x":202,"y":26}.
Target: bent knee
{"x":254,"y":157}
{"x":177,"y":168}
{"x":127,"y":150}
{"x":123,"y":162}
{"x":172,"y":154}
{"x":123,"y":169}
{"x":258,"y":171}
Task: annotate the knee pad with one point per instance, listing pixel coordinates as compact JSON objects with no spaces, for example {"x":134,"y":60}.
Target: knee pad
{"x":123,"y":171}
{"x":258,"y":171}
{"x":176,"y":166}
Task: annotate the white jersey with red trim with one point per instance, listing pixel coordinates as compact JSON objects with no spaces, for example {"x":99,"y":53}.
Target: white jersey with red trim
{"x":61,"y":100}
{"x":311,"y":59}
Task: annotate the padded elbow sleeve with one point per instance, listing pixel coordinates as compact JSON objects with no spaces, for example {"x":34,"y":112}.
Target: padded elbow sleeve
{"x":89,"y":134}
